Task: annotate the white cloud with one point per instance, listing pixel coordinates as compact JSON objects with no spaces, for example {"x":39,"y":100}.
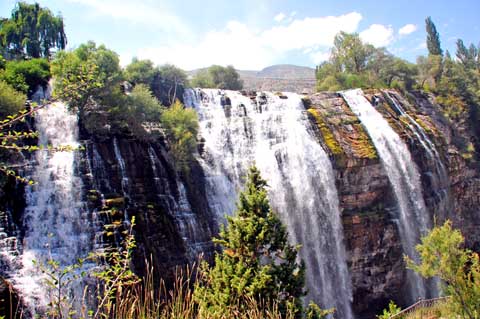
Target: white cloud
{"x":319,"y":57}
{"x":279,"y":17}
{"x":245,"y":48}
{"x":407,"y":29}
{"x":378,"y":35}
{"x":310,"y":31}
{"x":139,"y":12}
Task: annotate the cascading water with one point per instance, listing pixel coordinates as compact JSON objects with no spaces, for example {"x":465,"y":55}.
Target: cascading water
{"x":404,"y":178}
{"x":439,"y":177}
{"x":273,"y":132}
{"x":57,"y":222}
{"x":180,"y":209}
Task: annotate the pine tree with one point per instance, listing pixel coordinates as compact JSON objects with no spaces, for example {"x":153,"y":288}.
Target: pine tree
{"x":433,"y":38}
{"x":257,"y":263}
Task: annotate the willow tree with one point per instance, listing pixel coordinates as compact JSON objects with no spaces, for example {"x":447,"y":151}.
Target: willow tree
{"x":32,"y":31}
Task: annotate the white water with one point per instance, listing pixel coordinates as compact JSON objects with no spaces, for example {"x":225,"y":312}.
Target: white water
{"x":180,"y":210}
{"x":413,"y":220}
{"x":273,"y":133}
{"x":439,"y":177}
{"x":57,"y":223}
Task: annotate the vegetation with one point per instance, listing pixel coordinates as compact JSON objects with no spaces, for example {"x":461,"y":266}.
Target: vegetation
{"x":219,"y":77}
{"x":433,"y":38}
{"x":25,"y":75}
{"x":32,"y":31}
{"x":354,"y":64}
{"x":442,"y":255}
{"x":392,"y":310}
{"x":181,"y":128}
{"x":11,"y":101}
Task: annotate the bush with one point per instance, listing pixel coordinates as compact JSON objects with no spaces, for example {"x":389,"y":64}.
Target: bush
{"x":181,"y":128}
{"x":11,"y":101}
{"x":144,"y":104}
{"x":25,"y":76}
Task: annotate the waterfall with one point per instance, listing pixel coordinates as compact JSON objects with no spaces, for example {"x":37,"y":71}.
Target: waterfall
{"x":180,"y":209}
{"x":57,"y":222}
{"x":274,"y":133}
{"x":413,"y":220}
{"x":439,"y":178}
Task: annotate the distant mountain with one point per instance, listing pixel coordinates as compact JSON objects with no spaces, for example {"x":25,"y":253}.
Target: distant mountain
{"x":280,"y":77}
{"x":280,"y":71}
{"x":286,"y":71}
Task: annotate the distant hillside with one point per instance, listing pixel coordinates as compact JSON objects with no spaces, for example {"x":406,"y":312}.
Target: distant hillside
{"x":287,"y":71}
{"x":280,"y":77}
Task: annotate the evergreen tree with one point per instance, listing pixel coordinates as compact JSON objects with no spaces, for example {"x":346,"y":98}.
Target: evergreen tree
{"x":257,"y":263}
{"x":433,"y":38}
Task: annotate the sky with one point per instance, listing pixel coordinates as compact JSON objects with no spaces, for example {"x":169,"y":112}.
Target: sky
{"x":253,"y":34}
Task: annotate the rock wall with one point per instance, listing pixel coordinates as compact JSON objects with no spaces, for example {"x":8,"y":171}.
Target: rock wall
{"x":367,"y":201}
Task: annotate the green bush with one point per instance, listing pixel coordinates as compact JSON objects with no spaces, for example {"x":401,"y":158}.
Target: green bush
{"x":11,"y":101}
{"x":24,"y":76}
{"x":143,"y":104}
{"x":181,"y":128}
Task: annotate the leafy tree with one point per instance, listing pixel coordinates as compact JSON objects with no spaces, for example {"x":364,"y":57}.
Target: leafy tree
{"x":429,"y":71}
{"x":442,"y":255}
{"x":181,"y":128}
{"x":26,"y":75}
{"x":219,"y":77}
{"x":85,"y":73}
{"x":433,"y":38}
{"x":349,"y":54}
{"x":202,"y":80}
{"x":256,"y":262}
{"x":140,"y":72}
{"x":144,"y":104}
{"x":32,"y":31}
{"x":468,"y":57}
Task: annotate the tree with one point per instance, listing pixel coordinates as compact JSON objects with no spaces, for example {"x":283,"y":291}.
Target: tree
{"x":433,"y":38}
{"x":219,"y":77}
{"x":32,"y":31}
{"x":140,"y":72}
{"x":26,"y":75}
{"x":85,"y":73}
{"x":144,"y":104}
{"x":442,"y":255}
{"x":349,"y":53}
{"x":181,"y":128}
{"x":256,"y":263}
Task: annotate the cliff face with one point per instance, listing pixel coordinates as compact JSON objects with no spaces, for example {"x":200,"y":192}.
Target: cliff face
{"x":125,"y":176}
{"x":366,"y":197}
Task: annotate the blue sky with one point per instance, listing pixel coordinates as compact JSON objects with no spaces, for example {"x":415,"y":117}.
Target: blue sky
{"x":252,"y":34}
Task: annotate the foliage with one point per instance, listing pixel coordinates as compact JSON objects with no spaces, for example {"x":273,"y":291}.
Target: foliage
{"x":11,"y":101}
{"x":32,"y":31}
{"x":58,"y":281}
{"x":353,"y":63}
{"x":26,"y":75}
{"x":219,"y":77}
{"x":181,"y":128}
{"x":256,"y":263}
{"x":442,"y":255}
{"x":433,"y":38}
{"x":144,"y":104}
{"x":86,"y":73}
{"x":140,"y":72}
{"x":392,"y":310}
{"x":116,"y":277}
